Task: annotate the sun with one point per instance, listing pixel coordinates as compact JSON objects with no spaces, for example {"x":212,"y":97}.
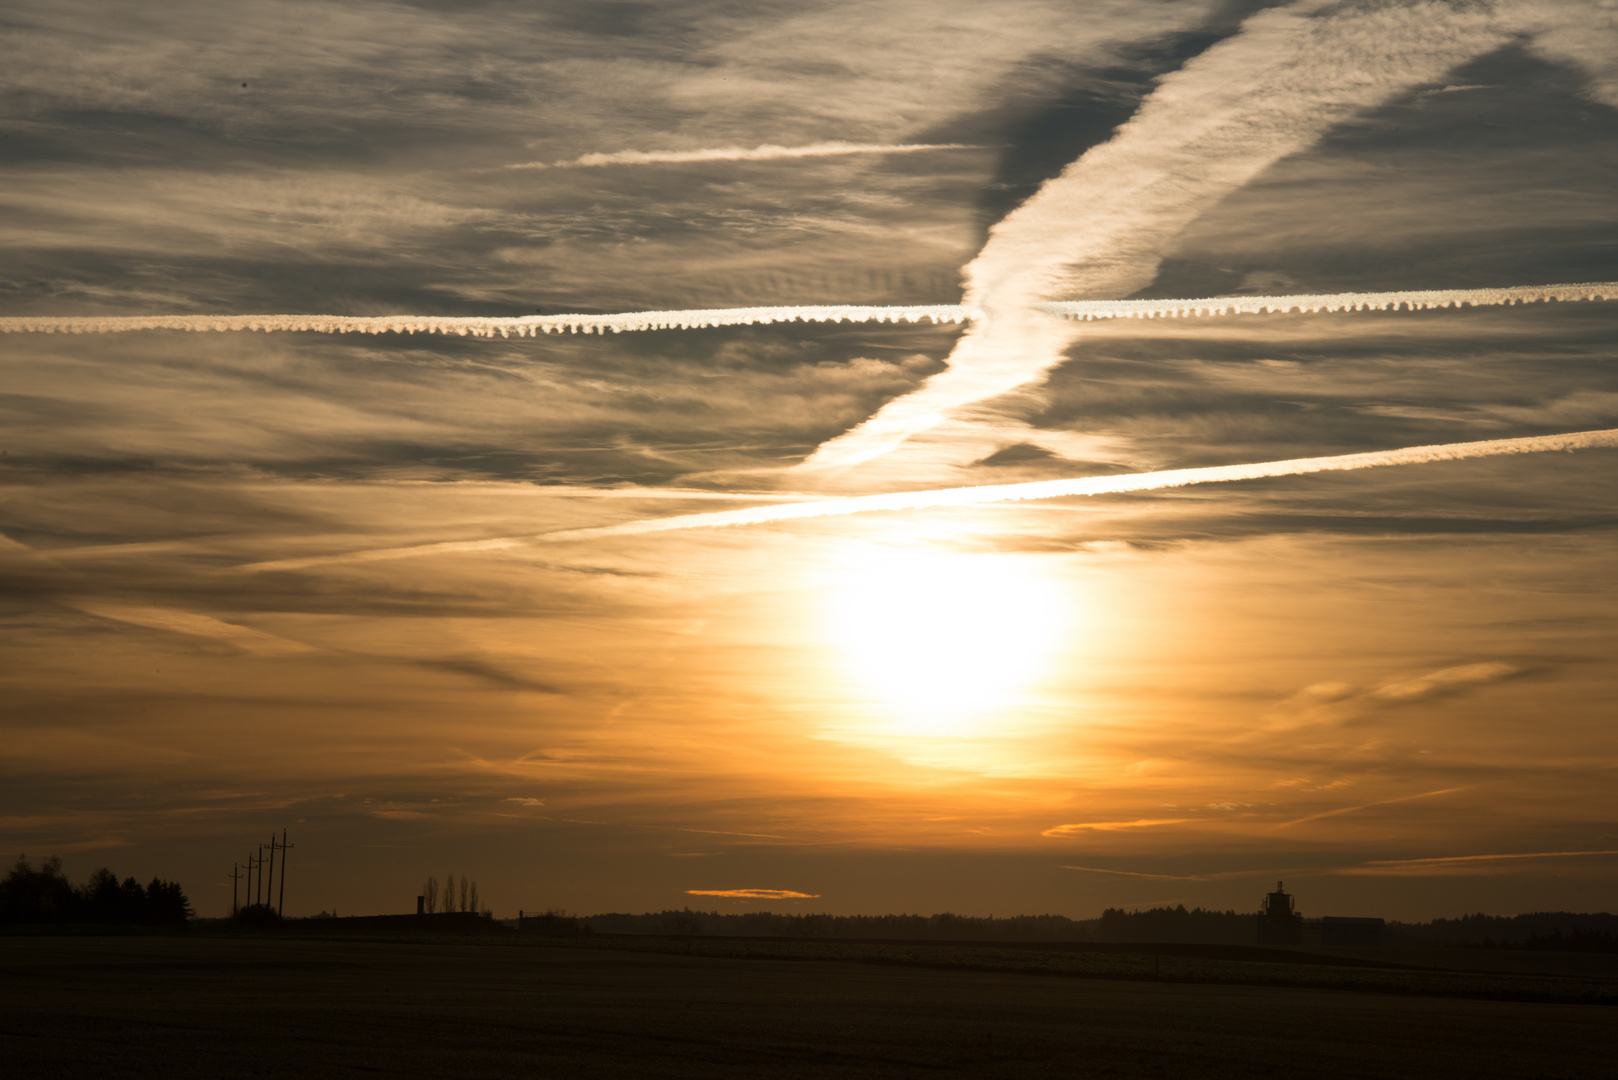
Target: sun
{"x":943,"y":643}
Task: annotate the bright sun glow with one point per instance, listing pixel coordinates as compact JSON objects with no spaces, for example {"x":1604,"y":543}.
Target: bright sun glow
{"x":944,"y":643}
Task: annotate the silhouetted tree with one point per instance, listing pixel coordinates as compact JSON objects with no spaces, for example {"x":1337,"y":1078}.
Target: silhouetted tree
{"x":430,"y":891}
{"x":449,"y":892}
{"x":474,"y":905}
{"x":463,"y":893}
{"x":684,"y":923}
{"x":44,"y":895}
{"x":166,"y":904}
{"x":103,"y":899}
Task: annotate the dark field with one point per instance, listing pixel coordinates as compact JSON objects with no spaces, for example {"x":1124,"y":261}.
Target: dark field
{"x":197,"y":1005}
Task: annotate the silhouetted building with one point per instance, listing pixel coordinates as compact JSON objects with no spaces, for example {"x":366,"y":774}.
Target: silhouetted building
{"x":1279,"y":924}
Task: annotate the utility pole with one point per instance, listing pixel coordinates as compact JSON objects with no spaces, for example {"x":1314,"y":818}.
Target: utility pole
{"x":269,"y":892}
{"x":258,"y":890}
{"x":281,"y":901}
{"x":235,"y":876}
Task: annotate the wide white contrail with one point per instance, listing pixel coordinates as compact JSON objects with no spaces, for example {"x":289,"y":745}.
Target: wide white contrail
{"x":628,"y":322}
{"x":1102,"y":227}
{"x":764,"y":152}
{"x":1106,"y":485}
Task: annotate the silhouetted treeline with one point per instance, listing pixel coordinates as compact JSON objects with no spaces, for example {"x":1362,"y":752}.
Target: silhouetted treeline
{"x":1552,"y":931}
{"x":1559,"y":931}
{"x":943,"y":927}
{"x":39,"y":895}
{"x":1199,"y":926}
{"x":1158,"y":924}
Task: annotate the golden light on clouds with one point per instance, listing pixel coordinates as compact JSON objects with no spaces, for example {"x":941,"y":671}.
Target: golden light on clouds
{"x":754,"y":894}
{"x":442,"y":572}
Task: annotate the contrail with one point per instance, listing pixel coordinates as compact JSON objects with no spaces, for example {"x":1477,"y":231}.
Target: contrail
{"x":1102,"y":227}
{"x":1105,"y":485}
{"x":1312,"y":303}
{"x":475,"y":326}
{"x":632,"y":321}
{"x":765,"y":152}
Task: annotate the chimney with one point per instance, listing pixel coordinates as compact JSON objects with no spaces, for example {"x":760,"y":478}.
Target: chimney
{"x":421,"y":905}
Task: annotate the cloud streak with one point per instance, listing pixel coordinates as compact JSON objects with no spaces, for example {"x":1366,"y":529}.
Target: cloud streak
{"x":1367,"y":806}
{"x":764,"y":152}
{"x":189,"y":622}
{"x":1456,"y":864}
{"x":701,"y":318}
{"x":1108,"y":485}
{"x":1080,"y":828}
{"x":754,"y":894}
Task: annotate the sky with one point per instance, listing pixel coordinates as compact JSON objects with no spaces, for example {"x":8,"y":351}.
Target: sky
{"x":415,"y":597}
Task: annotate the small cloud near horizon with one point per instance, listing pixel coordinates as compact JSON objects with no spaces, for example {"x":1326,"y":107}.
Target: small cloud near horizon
{"x":754,"y":894}
{"x":1109,"y":826}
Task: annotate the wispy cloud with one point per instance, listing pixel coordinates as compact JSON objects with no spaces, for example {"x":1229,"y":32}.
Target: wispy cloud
{"x":754,"y":894}
{"x":1337,"y":702}
{"x":1458,"y":864}
{"x":765,"y":152}
{"x":1137,"y":874}
{"x":1367,"y":806}
{"x":189,"y":622}
{"x":1583,"y":33}
{"x":1441,"y":866}
{"x":1079,"y":828}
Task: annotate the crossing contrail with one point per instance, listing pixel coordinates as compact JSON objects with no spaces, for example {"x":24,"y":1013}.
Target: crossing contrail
{"x":1105,"y":485}
{"x":699,"y":318}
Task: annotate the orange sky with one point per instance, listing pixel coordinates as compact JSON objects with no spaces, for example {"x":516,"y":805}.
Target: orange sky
{"x":1392,"y":687}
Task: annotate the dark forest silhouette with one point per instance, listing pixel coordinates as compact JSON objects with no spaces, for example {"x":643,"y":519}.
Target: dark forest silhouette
{"x":1549,"y":931}
{"x":1157,"y":924}
{"x":43,"y":895}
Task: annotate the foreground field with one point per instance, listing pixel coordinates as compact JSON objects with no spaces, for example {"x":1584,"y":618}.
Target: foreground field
{"x":197,"y":1006}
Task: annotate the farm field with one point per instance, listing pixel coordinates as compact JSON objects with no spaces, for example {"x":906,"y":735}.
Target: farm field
{"x":214,"y":1005}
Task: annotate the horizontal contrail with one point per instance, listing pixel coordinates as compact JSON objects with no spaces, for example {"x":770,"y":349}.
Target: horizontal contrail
{"x":1314,"y":303}
{"x":534,"y":325}
{"x":765,"y":152}
{"x":475,"y":326}
{"x":1105,"y":485}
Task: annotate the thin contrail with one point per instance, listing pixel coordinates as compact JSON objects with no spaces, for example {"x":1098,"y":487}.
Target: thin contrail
{"x":628,"y":322}
{"x":1105,"y":485}
{"x":477,"y":326}
{"x":765,"y":152}
{"x":1314,"y":303}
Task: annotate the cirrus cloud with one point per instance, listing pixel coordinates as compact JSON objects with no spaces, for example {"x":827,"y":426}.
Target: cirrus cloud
{"x":1079,"y":828}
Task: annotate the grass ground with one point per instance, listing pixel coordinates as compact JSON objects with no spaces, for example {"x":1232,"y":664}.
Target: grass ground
{"x":200,"y":1005}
